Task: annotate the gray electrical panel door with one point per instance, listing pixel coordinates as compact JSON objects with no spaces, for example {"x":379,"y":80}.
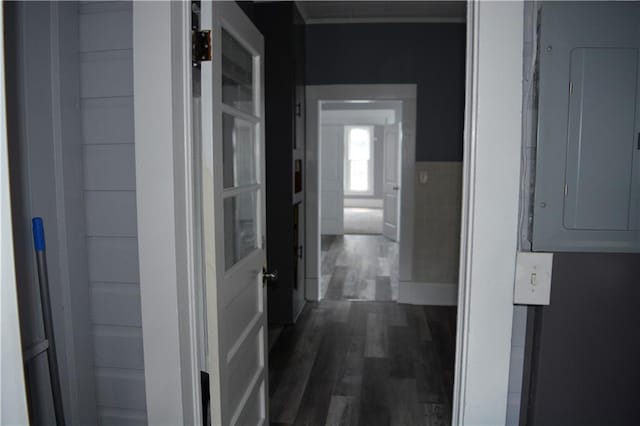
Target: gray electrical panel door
{"x":588,"y":157}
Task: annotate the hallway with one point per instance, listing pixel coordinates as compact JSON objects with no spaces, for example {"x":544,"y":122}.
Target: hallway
{"x":357,"y":357}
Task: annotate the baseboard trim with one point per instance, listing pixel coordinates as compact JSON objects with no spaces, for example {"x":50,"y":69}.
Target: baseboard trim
{"x":441,"y":294}
{"x":312,"y":289}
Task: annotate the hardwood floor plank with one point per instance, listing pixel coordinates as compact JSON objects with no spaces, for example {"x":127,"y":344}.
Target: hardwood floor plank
{"x":383,"y":289}
{"x":417,"y":320}
{"x":367,"y":289}
{"x":339,"y":413}
{"x":397,"y":315}
{"x":349,"y":378}
{"x":374,"y":401}
{"x":376,"y":341}
{"x":402,"y":352}
{"x":336,"y":284}
{"x":428,"y":376}
{"x":351,"y":284}
{"x":405,"y":410}
{"x":437,"y":415}
{"x":287,"y":397}
{"x":317,"y":395}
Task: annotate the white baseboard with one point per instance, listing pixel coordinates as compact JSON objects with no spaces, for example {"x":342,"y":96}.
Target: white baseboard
{"x":312,"y":289}
{"x":373,"y":203}
{"x":443,"y":294}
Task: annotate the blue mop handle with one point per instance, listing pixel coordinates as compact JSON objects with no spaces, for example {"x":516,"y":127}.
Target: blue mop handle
{"x":38,"y":234}
{"x":47,"y":318}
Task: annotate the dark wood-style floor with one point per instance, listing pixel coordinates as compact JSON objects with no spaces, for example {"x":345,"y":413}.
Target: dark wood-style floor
{"x":355,"y":362}
{"x":359,"y":267}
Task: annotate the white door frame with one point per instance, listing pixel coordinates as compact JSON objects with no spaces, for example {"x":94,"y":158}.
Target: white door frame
{"x":490,"y":195}
{"x":489,"y":211}
{"x":165,"y":196}
{"x":406,"y":93}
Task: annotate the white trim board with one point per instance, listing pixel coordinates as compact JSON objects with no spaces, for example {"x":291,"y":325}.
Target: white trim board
{"x":492,"y":136}
{"x":343,"y":92}
{"x":435,"y":294}
{"x":390,"y":20}
{"x":165,"y":204}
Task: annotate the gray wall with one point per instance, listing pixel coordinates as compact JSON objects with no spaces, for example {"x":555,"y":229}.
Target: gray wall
{"x":429,"y":55}
{"x":45,"y":156}
{"x":581,"y":358}
{"x":71,"y":151}
{"x":438,"y":205}
{"x":586,"y":344}
{"x":106,"y":91}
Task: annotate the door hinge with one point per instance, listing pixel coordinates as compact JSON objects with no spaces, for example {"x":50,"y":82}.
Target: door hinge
{"x":200,"y":47}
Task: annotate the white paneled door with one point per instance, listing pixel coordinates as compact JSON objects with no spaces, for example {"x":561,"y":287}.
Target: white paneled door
{"x":233,"y":214}
{"x":391,"y":185}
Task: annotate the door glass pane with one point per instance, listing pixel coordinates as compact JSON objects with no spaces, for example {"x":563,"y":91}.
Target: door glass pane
{"x":237,"y":74}
{"x":238,"y":151}
{"x":240,"y":227}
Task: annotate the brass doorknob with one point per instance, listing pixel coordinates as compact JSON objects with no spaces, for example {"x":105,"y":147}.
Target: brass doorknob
{"x":269,"y":277}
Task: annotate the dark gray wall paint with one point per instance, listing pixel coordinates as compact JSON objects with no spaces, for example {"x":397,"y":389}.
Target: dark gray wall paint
{"x":429,"y":55}
{"x":587,"y":342}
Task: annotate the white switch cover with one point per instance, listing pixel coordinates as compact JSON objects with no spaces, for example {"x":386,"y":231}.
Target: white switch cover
{"x":533,"y":278}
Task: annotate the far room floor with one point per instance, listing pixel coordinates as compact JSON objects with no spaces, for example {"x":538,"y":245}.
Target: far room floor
{"x":359,"y":220}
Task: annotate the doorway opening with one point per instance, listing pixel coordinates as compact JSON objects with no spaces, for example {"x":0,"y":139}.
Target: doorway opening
{"x":363,"y":138}
{"x":360,"y":150}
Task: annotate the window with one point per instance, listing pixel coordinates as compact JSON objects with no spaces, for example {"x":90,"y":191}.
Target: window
{"x":358,"y":164}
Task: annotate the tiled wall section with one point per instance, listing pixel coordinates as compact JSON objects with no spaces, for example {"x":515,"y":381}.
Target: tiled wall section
{"x":438,"y":204}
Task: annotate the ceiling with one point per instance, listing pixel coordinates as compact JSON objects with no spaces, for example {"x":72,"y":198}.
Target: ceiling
{"x":325,"y":12}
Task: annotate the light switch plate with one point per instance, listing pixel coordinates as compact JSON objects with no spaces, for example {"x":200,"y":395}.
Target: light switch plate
{"x":533,"y":278}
